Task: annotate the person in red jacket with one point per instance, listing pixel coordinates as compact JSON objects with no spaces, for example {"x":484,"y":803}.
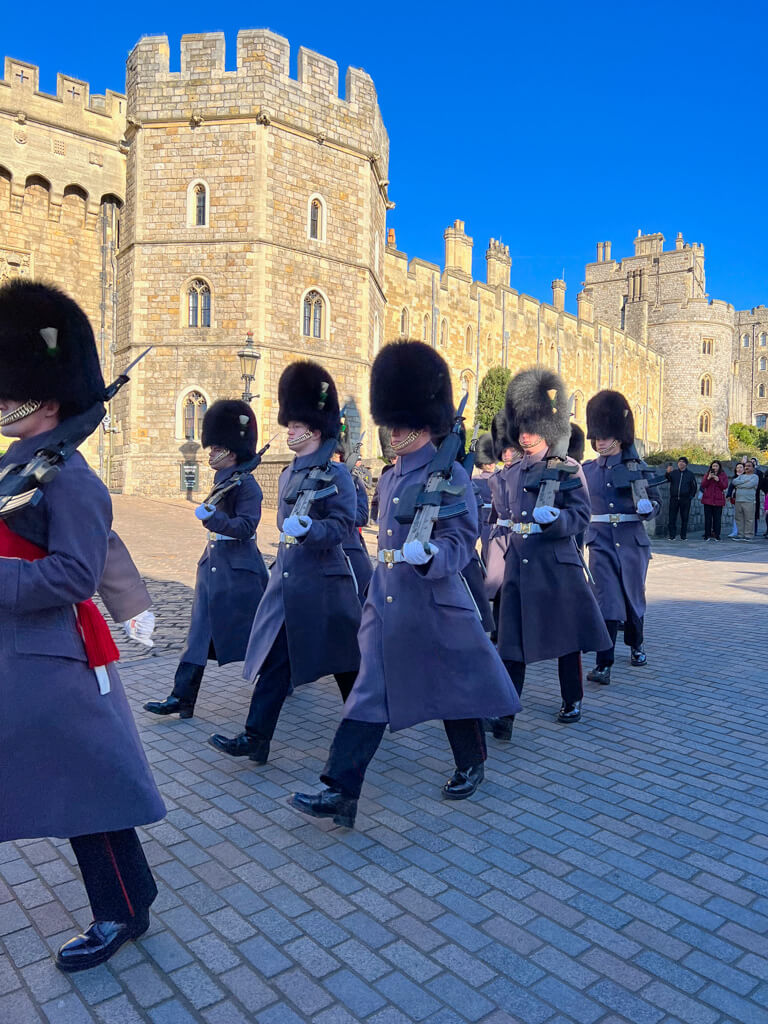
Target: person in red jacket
{"x":713,"y":486}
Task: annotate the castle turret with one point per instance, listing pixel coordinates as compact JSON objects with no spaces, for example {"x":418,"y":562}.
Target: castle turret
{"x":498,"y":264}
{"x":458,"y":249}
{"x":558,"y":294}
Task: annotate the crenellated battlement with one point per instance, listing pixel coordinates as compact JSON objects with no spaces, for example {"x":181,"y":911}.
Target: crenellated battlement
{"x":73,"y":106}
{"x":260,"y":88}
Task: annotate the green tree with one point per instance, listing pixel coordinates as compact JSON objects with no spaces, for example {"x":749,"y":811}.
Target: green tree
{"x":490,"y":397}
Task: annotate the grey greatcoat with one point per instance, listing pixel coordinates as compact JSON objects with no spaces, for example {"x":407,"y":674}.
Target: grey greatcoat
{"x":618,"y":555}
{"x":231,"y":577}
{"x":482,"y":487}
{"x":548,"y":608}
{"x":498,"y":536}
{"x":121,"y":587}
{"x":354,"y":545}
{"x":311,"y":590}
{"x":71,"y":762}
{"x":424,"y":653}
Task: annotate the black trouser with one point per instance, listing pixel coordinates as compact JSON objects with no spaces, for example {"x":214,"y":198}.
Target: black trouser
{"x":356,"y":742}
{"x":713,"y":516}
{"x":273,"y":687}
{"x":633,"y":637}
{"x":117,"y":878}
{"x":568,"y":671}
{"x":683,"y":506}
{"x":186,"y":682}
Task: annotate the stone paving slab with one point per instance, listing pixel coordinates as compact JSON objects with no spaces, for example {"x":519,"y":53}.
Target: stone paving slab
{"x":607,"y":872}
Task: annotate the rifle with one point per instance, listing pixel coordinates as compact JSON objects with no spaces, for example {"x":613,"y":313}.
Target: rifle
{"x":468,"y":462}
{"x":317,"y":484}
{"x":350,"y":461}
{"x":21,"y":483}
{"x":630,"y":472}
{"x":243,"y":470}
{"x":422,"y":508}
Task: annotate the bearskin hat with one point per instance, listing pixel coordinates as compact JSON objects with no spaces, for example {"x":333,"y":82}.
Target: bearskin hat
{"x":609,"y":415}
{"x":47,"y":348}
{"x":231,"y":424}
{"x":306,"y":393}
{"x":537,"y":403}
{"x":576,"y":444}
{"x":411,"y":387}
{"x":485,"y":454}
{"x":500,"y":435}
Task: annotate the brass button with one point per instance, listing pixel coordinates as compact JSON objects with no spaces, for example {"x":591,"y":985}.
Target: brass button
{"x":525,"y":513}
{"x":610,"y":504}
{"x":285,"y":575}
{"x":389,"y":533}
{"x":609,"y":485}
{"x":389,"y":600}
{"x":614,"y":525}
{"x":395,"y":501}
{"x":213,"y":568}
{"x":525,"y":536}
{"x":390,"y":565}
{"x":618,"y":545}
{"x":525,"y":561}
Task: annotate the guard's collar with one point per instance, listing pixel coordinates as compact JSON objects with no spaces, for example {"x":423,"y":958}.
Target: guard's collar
{"x":415,"y":460}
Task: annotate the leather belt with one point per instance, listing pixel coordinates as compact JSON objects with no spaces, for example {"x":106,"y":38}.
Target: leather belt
{"x":285,"y":538}
{"x":616,"y":517}
{"x":390,"y":556}
{"x":510,"y":524}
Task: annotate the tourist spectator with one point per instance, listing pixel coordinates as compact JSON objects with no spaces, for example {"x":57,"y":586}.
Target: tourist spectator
{"x":729,"y":497}
{"x":682,"y":487}
{"x":744,"y":488}
{"x":714,"y":484}
{"x":762,"y":479}
{"x":765,"y":509}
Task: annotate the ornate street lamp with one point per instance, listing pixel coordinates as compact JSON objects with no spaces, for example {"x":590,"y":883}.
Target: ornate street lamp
{"x":248,"y":357}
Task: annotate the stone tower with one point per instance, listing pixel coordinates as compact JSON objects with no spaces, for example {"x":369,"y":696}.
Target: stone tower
{"x":255,"y":203}
{"x":659,"y":296}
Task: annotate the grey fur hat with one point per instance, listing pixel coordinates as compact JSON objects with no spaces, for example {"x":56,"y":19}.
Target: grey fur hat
{"x":411,"y":387}
{"x":47,"y":348}
{"x":485,"y":454}
{"x":609,"y":415}
{"x":537,"y":403}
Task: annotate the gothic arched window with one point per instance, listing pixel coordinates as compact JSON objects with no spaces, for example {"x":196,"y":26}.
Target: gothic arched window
{"x":199,"y":304}
{"x":468,"y":342}
{"x":762,"y":363}
{"x":194,"y":409}
{"x":745,"y":341}
{"x":705,"y":423}
{"x":404,"y":321}
{"x":706,"y":346}
{"x":761,"y":390}
{"x":201,"y":206}
{"x":705,"y":385}
{"x":313,"y":315}
{"x":443,"y":333}
{"x":425,"y":329}
{"x":316,"y":219}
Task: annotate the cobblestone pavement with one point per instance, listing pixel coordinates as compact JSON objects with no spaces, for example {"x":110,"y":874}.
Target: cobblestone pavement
{"x":607,"y":872}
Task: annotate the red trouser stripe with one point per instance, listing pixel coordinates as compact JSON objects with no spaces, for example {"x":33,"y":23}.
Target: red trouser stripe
{"x":111,"y":853}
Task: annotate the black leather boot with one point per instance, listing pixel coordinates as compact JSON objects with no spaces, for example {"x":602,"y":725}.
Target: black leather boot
{"x":569,"y":712}
{"x":500,"y":727}
{"x":638,"y":657}
{"x":242,"y":745}
{"x":99,"y":942}
{"x":328,"y":803}
{"x":464,"y":783}
{"x":170,"y":706}
{"x":600,"y":675}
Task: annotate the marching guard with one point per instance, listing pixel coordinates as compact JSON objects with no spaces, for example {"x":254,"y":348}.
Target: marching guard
{"x":353,"y":545}
{"x":618,"y":546}
{"x":306,"y":624}
{"x":231,"y":575}
{"x":72,"y":762}
{"x":547,"y":608}
{"x":424,"y":653}
{"x":485,"y":467}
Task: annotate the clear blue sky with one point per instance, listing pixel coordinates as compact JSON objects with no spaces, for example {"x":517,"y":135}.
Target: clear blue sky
{"x":551,"y":125}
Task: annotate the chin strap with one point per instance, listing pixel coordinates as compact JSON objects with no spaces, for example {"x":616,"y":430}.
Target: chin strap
{"x":222,"y":455}
{"x":408,"y":439}
{"x":21,"y":412}
{"x":300,"y":439}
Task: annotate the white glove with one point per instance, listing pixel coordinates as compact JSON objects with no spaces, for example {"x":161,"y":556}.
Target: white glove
{"x":297,"y":526}
{"x":414,"y":553}
{"x":644,"y":506}
{"x":141,"y":627}
{"x":546,"y":514}
{"x":204,"y":512}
